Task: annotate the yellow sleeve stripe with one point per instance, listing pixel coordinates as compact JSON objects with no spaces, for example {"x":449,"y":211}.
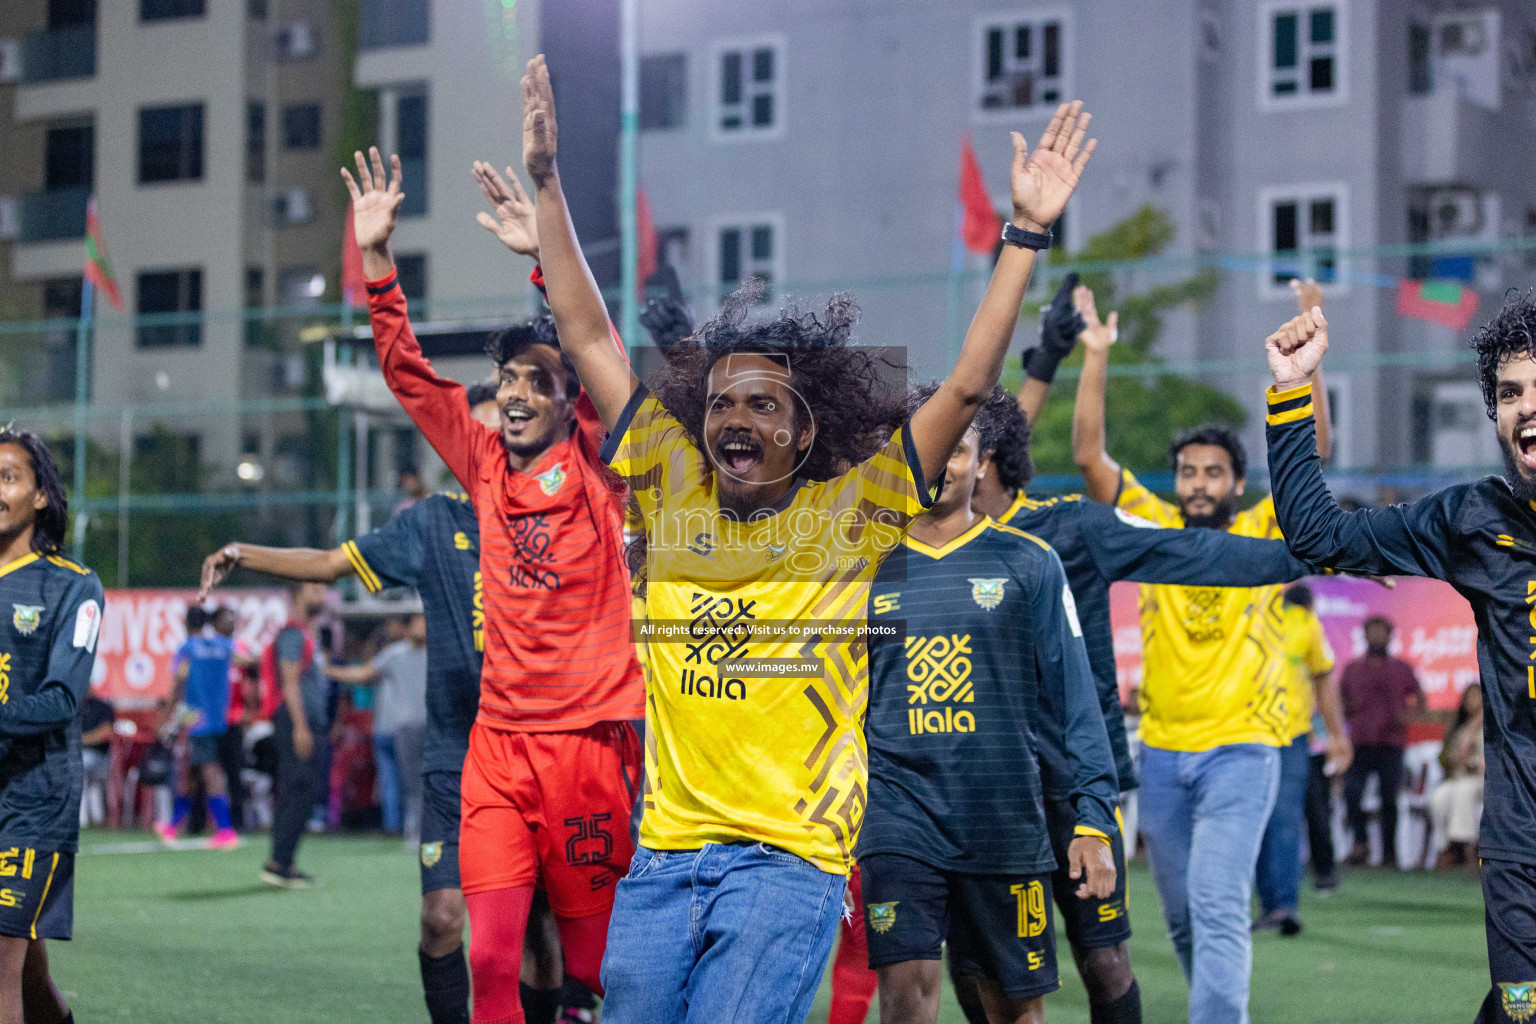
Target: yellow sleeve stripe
{"x":1276,"y":419}
{"x":65,"y":563}
{"x":364,"y":571}
{"x":1085,"y":830}
{"x":1288,"y":395}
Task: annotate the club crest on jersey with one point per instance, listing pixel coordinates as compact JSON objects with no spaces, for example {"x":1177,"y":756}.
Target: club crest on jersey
{"x":551,"y":479}
{"x":882,"y":916}
{"x":775,"y":550}
{"x":431,"y":853}
{"x":26,"y":618}
{"x":988,"y":594}
{"x":1519,"y":1000}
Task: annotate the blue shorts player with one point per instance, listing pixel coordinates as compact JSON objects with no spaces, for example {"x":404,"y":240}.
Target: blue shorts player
{"x":47,"y":650}
{"x":202,"y":685}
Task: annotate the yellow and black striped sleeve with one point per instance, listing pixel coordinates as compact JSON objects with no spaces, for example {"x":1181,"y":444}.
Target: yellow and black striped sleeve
{"x":365,"y":573}
{"x":1290,"y":405}
{"x":653,"y":452}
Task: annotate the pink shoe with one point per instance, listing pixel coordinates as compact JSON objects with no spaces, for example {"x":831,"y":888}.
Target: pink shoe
{"x":167,"y":833}
{"x":224,"y":839}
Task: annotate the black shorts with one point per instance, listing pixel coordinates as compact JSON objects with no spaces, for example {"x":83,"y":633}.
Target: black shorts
{"x":439,"y":831}
{"x":1090,"y":923}
{"x":1509,"y":902}
{"x":203,"y":748}
{"x":998,"y":927}
{"x":37,"y":893}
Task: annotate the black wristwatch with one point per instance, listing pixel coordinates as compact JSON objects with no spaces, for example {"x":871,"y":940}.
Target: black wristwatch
{"x":1025,"y":239}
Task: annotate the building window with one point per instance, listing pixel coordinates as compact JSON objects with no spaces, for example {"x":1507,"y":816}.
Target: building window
{"x":170,"y":292}
{"x":1305,"y":228}
{"x":663,"y":92}
{"x":1024,"y":62}
{"x":171,"y":144}
{"x":1303,"y":55}
{"x":394,"y":23}
{"x":257,"y":330}
{"x":411,"y":145}
{"x":411,"y":270}
{"x":1421,"y":74}
{"x":301,"y":126}
{"x":166,"y":10}
{"x":69,"y":156}
{"x":747,"y":249}
{"x":749,"y":89}
{"x":255,"y":143}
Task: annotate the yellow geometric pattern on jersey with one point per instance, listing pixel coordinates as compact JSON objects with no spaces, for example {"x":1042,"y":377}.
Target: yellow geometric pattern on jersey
{"x":1213,"y":658}
{"x":1309,"y":654}
{"x":759,"y":759}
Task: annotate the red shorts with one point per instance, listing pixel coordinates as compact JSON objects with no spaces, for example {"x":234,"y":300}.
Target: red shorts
{"x":550,"y":809}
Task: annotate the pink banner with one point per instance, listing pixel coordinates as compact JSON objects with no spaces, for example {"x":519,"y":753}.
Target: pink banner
{"x":1435,"y":632}
{"x":142,"y":629}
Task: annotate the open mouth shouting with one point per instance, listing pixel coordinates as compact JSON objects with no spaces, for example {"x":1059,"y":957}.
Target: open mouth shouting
{"x":516,"y":416}
{"x":1524,"y":446}
{"x":738,"y":452}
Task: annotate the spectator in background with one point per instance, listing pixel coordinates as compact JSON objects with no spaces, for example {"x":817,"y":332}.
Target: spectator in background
{"x":201,"y":699}
{"x":1310,"y":662}
{"x":1456,"y":806}
{"x":96,"y":721}
{"x":1378,"y":692}
{"x":302,"y":715}
{"x":399,"y":716}
{"x":243,"y":703}
{"x":412,"y":486}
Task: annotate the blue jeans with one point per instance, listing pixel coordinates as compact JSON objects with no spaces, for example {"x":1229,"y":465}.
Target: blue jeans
{"x":727,"y":934}
{"x":1278,"y":879}
{"x":1203,"y":815}
{"x":386,"y":767}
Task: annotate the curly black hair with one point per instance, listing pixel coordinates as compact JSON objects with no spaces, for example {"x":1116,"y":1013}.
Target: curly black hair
{"x":507,"y":344}
{"x":1511,"y":333}
{"x":1005,"y":434}
{"x":1218,"y":434}
{"x":52,"y":520}
{"x":848,"y":393}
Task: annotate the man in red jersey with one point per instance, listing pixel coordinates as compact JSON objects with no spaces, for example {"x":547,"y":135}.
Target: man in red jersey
{"x":553,"y":762}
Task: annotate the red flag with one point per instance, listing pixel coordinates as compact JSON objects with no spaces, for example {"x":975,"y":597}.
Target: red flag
{"x":98,"y":269}
{"x":353,"y":291}
{"x":645,"y":241}
{"x":982,"y":226}
{"x":1446,"y":303}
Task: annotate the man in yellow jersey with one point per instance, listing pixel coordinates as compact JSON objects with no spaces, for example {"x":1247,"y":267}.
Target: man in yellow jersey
{"x":1278,"y":879}
{"x":771,"y":498}
{"x":1214,"y":697}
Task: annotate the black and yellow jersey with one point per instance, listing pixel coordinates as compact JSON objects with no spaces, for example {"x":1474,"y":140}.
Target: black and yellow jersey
{"x":990,"y":645}
{"x":47,"y":652}
{"x":1478,"y":537}
{"x":434,"y":547}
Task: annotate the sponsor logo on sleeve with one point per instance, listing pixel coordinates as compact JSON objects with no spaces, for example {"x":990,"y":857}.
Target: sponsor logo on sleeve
{"x":87,"y":625}
{"x":1132,"y":519}
{"x":1070,"y":605}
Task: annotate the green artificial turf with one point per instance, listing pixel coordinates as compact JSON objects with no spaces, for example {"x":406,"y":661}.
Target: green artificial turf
{"x":192,"y":936}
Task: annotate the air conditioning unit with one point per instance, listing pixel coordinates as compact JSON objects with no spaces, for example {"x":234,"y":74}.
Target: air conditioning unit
{"x":1462,"y":35}
{"x":10,"y":219}
{"x":292,"y":206}
{"x":10,"y":60}
{"x":1455,"y":213}
{"x":295,"y":41}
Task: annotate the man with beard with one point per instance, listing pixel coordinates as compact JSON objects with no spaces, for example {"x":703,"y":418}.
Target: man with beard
{"x":1481,"y":539}
{"x":553,"y":763}
{"x":1214,"y":712}
{"x":770,"y":497}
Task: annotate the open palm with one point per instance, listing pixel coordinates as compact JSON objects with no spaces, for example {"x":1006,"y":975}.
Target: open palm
{"x":1096,"y":336}
{"x":541,"y":134}
{"x":513,"y":220}
{"x":1042,"y":182}
{"x":1296,"y":350}
{"x":376,"y":199}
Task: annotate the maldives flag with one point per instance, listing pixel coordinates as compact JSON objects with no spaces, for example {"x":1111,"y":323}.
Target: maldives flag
{"x":1447,"y":303}
{"x":980,"y":226}
{"x":353,"y":290}
{"x":645,"y":242}
{"x":98,"y":269}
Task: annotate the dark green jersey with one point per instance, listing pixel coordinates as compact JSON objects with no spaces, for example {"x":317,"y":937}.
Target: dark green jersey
{"x":990,"y":644}
{"x":47,"y":651}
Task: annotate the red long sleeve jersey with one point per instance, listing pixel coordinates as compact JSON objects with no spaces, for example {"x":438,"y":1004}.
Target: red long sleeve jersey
{"x":558,"y":655}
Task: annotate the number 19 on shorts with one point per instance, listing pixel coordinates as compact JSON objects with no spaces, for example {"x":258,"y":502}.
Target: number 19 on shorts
{"x":1032,"y":916}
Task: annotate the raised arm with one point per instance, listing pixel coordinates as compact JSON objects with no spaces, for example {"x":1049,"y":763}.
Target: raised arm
{"x":1409,"y":540}
{"x":309,"y":564}
{"x":1060,"y":325}
{"x":1309,"y":296}
{"x":1101,"y":473}
{"x":1041,"y":184}
{"x":1125,"y":547}
{"x":513,"y":219}
{"x":434,"y":403}
{"x":581,"y":319}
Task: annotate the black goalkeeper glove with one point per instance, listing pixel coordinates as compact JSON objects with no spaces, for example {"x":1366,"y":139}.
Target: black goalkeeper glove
{"x":1060,"y":325}
{"x":667,"y":318}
